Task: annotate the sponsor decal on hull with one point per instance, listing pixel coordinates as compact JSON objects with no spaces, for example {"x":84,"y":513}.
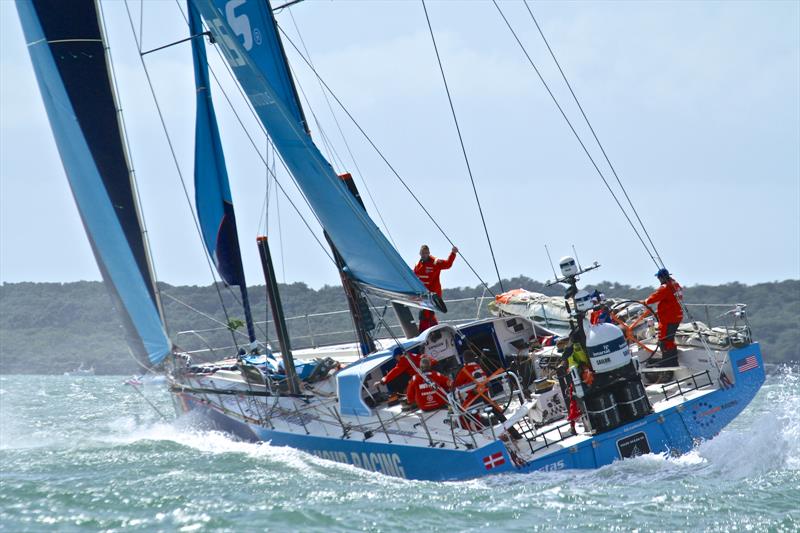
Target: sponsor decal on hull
{"x":385,"y":463}
{"x":633,"y":445}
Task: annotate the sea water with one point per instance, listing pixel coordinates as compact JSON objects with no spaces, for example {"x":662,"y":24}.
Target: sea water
{"x":88,"y":454}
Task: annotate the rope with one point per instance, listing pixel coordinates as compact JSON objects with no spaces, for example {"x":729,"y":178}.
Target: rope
{"x":385,"y":160}
{"x":463,"y":149}
{"x":597,"y":140}
{"x":177,"y":166}
{"x":577,"y":136}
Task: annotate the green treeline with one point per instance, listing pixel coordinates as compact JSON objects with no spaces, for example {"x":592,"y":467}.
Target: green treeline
{"x":54,"y":327}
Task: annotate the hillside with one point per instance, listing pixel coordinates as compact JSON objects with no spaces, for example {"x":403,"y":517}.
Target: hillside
{"x":53,"y":327}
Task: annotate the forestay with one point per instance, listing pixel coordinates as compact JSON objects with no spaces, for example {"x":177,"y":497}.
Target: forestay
{"x":247,"y":34}
{"x":67,"y":48}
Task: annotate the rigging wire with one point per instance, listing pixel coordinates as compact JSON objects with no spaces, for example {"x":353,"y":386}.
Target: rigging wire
{"x":463,"y":148}
{"x":275,"y":178}
{"x":591,"y":128}
{"x":278,"y":216}
{"x":178,"y":167}
{"x":203,"y":314}
{"x":263,"y":217}
{"x":385,"y":160}
{"x":577,"y":136}
{"x":329,"y":150}
{"x":341,"y":134}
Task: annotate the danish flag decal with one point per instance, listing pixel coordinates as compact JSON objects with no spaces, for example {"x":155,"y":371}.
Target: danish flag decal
{"x":494,"y":460}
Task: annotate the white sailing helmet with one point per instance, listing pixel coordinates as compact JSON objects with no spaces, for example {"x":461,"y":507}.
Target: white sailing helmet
{"x":583,"y":300}
{"x":569,"y":267}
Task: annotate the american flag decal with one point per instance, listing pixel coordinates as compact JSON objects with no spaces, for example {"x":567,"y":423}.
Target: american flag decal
{"x":748,"y":363}
{"x":494,"y":460}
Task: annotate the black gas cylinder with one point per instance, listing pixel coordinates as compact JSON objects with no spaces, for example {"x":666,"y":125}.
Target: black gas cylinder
{"x":632,"y":400}
{"x":603,"y":412}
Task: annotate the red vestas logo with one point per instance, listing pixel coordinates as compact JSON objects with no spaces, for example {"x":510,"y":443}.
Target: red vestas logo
{"x":494,"y":460}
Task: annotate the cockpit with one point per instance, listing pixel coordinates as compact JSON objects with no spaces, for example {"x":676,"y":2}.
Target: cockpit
{"x":499,"y":342}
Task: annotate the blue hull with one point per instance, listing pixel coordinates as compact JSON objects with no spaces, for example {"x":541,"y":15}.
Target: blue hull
{"x":675,"y":430}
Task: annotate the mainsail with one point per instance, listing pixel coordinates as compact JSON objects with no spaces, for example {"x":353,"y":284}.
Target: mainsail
{"x":248,"y":35}
{"x":67,"y":48}
{"x":212,"y":189}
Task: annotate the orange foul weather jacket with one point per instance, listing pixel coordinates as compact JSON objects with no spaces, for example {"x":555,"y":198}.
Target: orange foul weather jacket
{"x":668,"y":298}
{"x":470,"y":373}
{"x":404,"y":367}
{"x":428,"y":396}
{"x":429,"y":271}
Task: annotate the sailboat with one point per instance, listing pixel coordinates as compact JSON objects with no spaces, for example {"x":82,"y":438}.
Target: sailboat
{"x":515,"y":418}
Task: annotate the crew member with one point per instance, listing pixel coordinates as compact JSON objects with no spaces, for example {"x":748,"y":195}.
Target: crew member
{"x":600,"y":314}
{"x":668,"y":298}
{"x":471,"y":371}
{"x":428,"y":390}
{"x":403,"y":366}
{"x":428,"y":269}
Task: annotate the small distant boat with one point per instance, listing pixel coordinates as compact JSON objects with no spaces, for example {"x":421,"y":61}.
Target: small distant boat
{"x":81,"y":371}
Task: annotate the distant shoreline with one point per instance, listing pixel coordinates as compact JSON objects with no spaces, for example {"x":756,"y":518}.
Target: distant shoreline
{"x":52,"y":328}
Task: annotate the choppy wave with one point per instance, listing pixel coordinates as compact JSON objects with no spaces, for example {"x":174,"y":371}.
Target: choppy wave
{"x":88,"y":454}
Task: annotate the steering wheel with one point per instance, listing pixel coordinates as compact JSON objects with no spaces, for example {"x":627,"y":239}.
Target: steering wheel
{"x":481,"y":391}
{"x":628,"y":327}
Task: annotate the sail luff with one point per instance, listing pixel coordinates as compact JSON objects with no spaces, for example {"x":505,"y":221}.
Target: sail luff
{"x":247,"y":34}
{"x":68,"y":53}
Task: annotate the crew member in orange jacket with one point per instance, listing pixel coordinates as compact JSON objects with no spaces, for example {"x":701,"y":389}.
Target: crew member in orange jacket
{"x":428,"y":393}
{"x":471,"y":371}
{"x":403,"y":366}
{"x":428,"y":270}
{"x":668,"y":297}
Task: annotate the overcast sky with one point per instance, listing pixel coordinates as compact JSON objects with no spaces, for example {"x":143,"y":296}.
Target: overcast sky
{"x":697,"y":103}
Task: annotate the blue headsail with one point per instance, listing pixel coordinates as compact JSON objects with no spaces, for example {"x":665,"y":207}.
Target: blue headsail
{"x":212,"y":189}
{"x":67,"y":48}
{"x":247,"y":34}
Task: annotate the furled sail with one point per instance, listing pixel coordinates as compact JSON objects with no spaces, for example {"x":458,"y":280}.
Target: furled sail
{"x":67,"y":48}
{"x":212,"y":189}
{"x":248,"y":36}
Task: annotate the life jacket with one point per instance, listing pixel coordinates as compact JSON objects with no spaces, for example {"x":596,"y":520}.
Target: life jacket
{"x":578,"y":356}
{"x":428,"y":272}
{"x":668,"y":297}
{"x":428,"y":394}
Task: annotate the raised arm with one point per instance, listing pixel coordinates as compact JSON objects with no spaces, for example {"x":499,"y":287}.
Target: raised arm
{"x":444,"y":264}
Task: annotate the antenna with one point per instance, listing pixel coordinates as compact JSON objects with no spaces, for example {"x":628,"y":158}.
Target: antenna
{"x":575,"y":253}
{"x":552,"y":266}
